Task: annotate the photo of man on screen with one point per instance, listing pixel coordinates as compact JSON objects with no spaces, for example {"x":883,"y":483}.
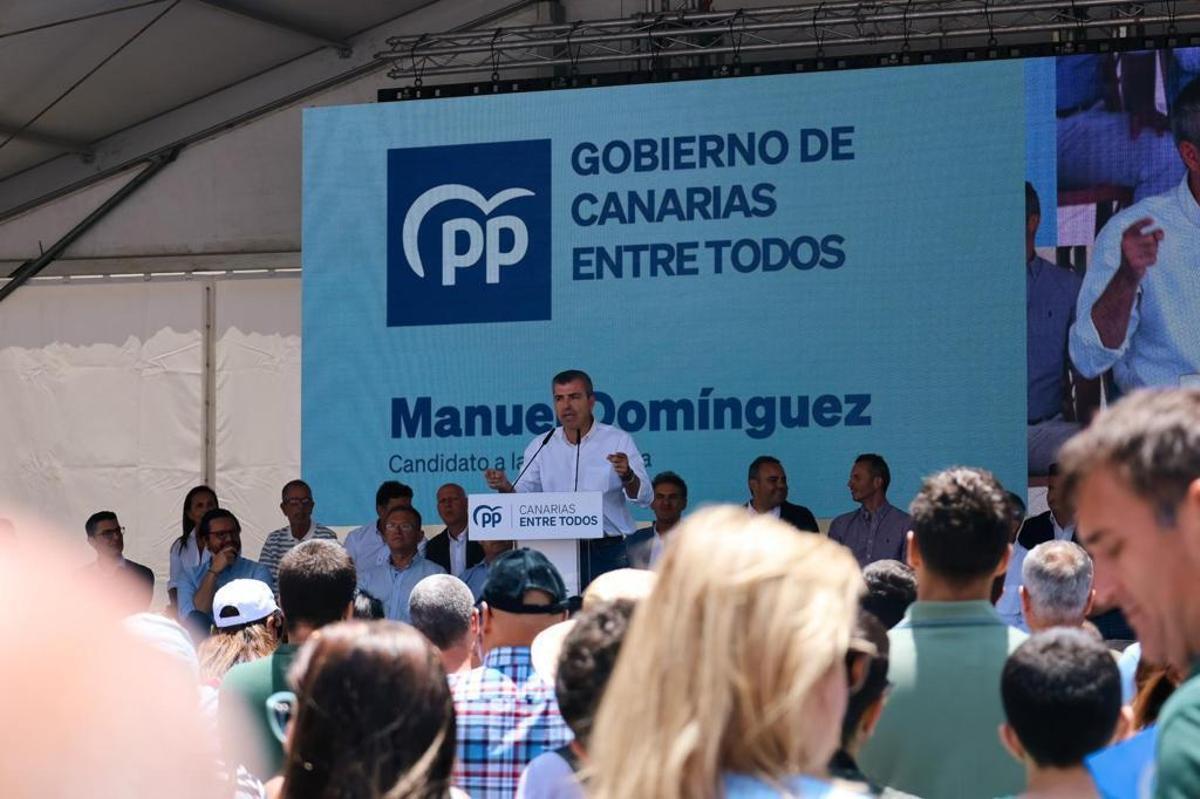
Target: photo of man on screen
{"x":1138,"y":302}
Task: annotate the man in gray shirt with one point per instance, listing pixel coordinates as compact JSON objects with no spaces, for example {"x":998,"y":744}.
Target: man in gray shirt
{"x":877,"y":529}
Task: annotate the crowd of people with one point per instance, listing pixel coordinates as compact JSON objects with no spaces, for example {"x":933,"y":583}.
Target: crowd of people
{"x":954,"y":650}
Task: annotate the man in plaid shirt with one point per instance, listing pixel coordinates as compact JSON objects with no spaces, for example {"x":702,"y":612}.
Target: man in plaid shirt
{"x":507,"y":713}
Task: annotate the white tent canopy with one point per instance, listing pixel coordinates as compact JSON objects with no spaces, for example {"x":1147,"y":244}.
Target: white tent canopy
{"x":136,"y":365}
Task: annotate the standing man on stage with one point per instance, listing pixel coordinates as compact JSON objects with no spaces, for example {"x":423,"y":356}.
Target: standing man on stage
{"x":585,"y":455}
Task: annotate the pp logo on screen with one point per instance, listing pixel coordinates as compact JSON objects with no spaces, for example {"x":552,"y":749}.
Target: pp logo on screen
{"x":469,"y":233}
{"x":488,"y":516}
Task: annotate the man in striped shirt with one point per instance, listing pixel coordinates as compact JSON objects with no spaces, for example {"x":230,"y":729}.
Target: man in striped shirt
{"x":297,"y":505}
{"x":507,"y":713}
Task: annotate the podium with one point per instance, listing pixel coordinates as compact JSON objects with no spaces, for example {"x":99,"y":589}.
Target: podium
{"x":550,"y":522}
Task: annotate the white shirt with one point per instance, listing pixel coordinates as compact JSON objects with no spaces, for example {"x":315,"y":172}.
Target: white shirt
{"x":1009,"y":603}
{"x":458,"y":553}
{"x":366,"y":546}
{"x":772,"y":512}
{"x":185,"y":560}
{"x":554,"y":470}
{"x":549,"y":776}
{"x":1162,"y":342}
{"x":656,"y":549}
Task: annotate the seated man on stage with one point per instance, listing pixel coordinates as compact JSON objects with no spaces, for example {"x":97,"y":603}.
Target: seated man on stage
{"x":769,"y":492}
{"x":585,"y":455}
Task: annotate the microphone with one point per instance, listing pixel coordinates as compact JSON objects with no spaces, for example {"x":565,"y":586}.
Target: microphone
{"x":529,"y":462}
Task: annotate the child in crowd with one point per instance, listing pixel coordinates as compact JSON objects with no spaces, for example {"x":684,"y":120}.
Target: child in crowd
{"x":1062,"y":700}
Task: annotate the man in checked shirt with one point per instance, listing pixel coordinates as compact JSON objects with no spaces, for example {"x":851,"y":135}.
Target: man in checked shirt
{"x":507,"y":713}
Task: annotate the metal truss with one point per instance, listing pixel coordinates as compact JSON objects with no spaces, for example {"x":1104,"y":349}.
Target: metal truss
{"x":836,"y":28}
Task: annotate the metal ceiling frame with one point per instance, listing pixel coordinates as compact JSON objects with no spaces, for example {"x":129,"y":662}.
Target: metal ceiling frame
{"x":31,"y":268}
{"x":840,"y":27}
{"x":285,"y":85}
{"x":36,"y":137}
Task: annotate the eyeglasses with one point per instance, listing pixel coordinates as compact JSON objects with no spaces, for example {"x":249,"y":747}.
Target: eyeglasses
{"x":280,"y":706}
{"x":110,"y":533}
{"x":392,"y":527}
{"x":295,"y":501}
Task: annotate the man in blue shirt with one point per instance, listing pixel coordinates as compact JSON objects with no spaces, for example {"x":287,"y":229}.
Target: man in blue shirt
{"x":393,"y":580}
{"x":1137,"y":306}
{"x":221,"y":534}
{"x":877,"y":530}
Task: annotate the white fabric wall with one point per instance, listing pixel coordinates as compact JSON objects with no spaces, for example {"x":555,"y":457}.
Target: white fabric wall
{"x":257,"y":401}
{"x":102,"y":405}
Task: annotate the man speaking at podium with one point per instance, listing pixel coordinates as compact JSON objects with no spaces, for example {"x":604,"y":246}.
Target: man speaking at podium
{"x":585,"y":455}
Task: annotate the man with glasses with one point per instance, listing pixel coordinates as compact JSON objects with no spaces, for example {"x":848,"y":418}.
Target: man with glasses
{"x":393,"y":580}
{"x":221,"y":534}
{"x":297,"y":505}
{"x":131,"y":582}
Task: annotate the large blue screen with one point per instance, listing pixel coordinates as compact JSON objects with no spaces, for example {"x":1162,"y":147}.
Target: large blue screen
{"x":807,"y":266}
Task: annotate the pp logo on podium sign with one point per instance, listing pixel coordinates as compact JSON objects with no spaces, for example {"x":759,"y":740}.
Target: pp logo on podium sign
{"x":469,"y":233}
{"x":488,"y":516}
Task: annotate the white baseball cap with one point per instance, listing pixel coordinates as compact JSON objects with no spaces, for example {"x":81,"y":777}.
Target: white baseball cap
{"x":242,"y":602}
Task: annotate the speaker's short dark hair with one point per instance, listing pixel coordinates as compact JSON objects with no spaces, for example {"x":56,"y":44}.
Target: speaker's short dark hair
{"x":891,"y":588}
{"x":570,"y":376}
{"x":316,"y":582}
{"x":961,"y":523}
{"x":389,"y":490}
{"x":1062,"y":696}
{"x":99,"y":516}
{"x":758,"y":463}
{"x":673,"y":479}
{"x":588,"y":656}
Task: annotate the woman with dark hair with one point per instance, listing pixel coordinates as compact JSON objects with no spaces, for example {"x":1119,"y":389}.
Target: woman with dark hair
{"x":187,"y":553}
{"x":373,"y":717}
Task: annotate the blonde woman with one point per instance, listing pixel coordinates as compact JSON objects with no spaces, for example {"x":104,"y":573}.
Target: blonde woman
{"x":733,"y":678}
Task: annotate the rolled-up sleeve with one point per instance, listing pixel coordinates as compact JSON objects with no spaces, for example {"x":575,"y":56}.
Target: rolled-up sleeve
{"x":1088,"y":353}
{"x":645,"y":493}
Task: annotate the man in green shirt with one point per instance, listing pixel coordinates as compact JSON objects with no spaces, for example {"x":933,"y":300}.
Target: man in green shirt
{"x":316,"y":587}
{"x":937,"y":735}
{"x":1134,"y":478}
